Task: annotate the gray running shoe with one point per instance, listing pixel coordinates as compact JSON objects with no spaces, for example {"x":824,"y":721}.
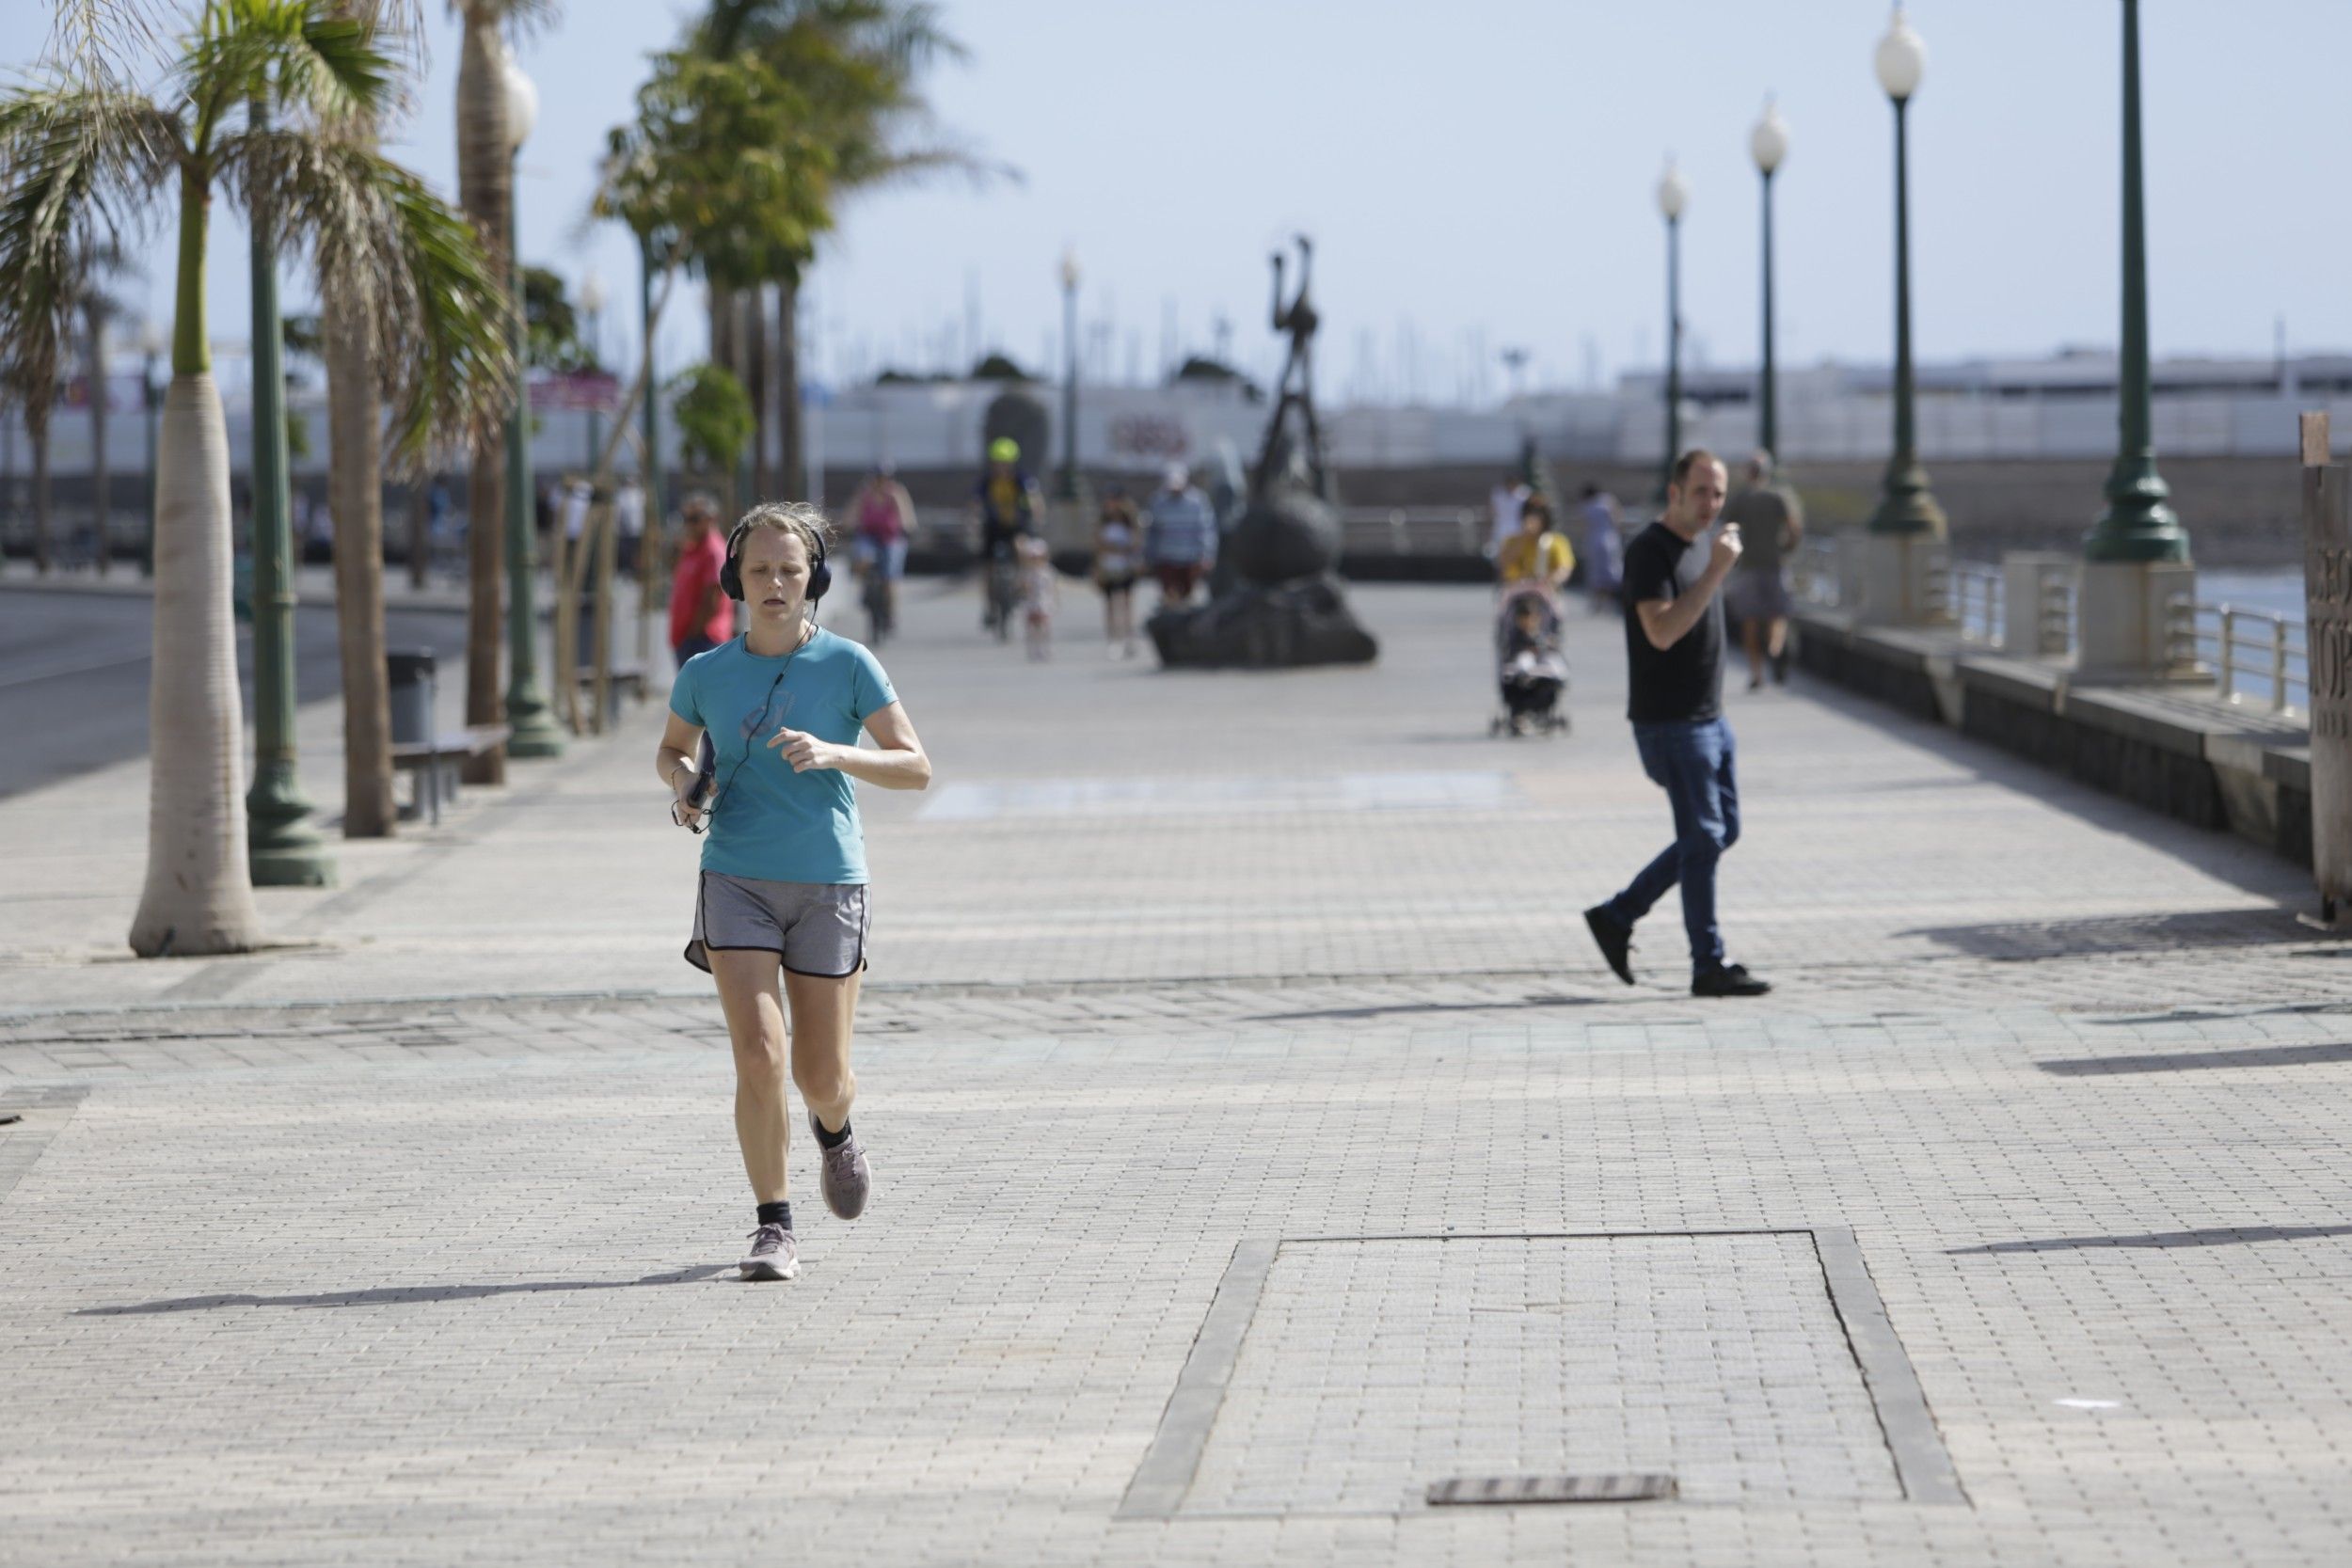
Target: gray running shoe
{"x":775,"y":1255}
{"x":847,"y":1176}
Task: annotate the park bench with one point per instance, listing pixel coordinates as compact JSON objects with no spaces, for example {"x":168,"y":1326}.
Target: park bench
{"x":438,"y":762}
{"x":627,"y":675}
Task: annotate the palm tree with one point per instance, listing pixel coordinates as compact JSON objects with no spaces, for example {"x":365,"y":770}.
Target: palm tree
{"x":485,"y":190}
{"x":84,"y":155}
{"x":858,"y":65}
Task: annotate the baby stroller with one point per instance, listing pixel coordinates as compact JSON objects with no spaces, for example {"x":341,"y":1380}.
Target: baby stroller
{"x":1528,"y":668}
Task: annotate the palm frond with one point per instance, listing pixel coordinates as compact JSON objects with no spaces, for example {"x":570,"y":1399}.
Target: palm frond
{"x":79,"y":164}
{"x":435,"y":302}
{"x":99,"y":44}
{"x":296,"y":55}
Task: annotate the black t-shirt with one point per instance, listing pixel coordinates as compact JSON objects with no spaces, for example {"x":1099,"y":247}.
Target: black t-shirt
{"x":1685,"y":681}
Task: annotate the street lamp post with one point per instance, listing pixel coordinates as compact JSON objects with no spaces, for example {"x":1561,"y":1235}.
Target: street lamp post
{"x":650,"y":414}
{"x":1768,"y":143}
{"x":2138,"y":524}
{"x":534,"y":731}
{"x":1905,"y":503}
{"x":1066,"y":486}
{"x":282,"y":849}
{"x":592,"y":302}
{"x":151,"y":346}
{"x":2135,"y":558}
{"x":1673,"y":193}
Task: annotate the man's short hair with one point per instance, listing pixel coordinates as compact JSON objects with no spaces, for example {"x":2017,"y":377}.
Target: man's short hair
{"x":702,"y":503}
{"x":1692,"y":459}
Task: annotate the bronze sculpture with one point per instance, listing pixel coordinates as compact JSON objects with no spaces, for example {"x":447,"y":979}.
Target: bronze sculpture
{"x":1279,"y":601}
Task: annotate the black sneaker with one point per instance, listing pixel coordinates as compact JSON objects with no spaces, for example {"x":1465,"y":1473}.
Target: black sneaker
{"x":1730,"y":980}
{"x":1616,"y":942}
{"x":775,"y":1255}
{"x":1780,"y":666}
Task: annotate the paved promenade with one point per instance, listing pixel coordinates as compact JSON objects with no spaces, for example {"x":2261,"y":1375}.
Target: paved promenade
{"x":1258,"y":1143}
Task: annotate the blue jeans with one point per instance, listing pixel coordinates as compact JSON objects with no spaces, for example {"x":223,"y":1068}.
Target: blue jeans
{"x":1692,"y":764}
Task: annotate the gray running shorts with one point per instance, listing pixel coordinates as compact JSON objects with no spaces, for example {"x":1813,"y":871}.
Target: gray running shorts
{"x":817,"y":928}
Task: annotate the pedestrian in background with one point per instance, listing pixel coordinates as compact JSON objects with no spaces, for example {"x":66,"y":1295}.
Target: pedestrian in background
{"x":1040,"y":591}
{"x":1118,"y":558}
{"x":1604,"y":549}
{"x":1771,"y":521}
{"x":701,"y":616}
{"x":1674,"y":641}
{"x":629,"y":521}
{"x":884,"y":516}
{"x":1180,"y":535}
{"x":1536,"y":554}
{"x":1502,"y":513}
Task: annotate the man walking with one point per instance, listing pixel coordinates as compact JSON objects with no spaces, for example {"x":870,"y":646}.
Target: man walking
{"x":701,"y":617}
{"x":1771,"y":520}
{"x":1179,"y":535}
{"x":1673,"y":642}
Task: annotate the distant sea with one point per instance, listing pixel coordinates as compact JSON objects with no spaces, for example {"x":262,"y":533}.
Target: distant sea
{"x":2281,"y":592}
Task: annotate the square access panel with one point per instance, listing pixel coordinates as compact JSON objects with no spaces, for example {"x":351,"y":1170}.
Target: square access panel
{"x":1340,"y":1375}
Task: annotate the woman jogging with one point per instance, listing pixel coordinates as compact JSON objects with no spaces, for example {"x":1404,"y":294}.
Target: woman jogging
{"x":783,"y":880}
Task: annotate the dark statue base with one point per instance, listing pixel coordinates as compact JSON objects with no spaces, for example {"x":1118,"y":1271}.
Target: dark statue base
{"x":1305,"y":622}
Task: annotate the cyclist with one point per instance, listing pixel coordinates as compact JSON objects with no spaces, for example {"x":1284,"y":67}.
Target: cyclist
{"x":1005,"y":503}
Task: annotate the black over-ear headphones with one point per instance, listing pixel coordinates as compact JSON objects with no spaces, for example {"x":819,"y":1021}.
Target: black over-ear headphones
{"x":731,"y":571}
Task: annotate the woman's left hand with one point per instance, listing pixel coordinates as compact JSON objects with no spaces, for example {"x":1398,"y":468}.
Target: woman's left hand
{"x":804,"y":751}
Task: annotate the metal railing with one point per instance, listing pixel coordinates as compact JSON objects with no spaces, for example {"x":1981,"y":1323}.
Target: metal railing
{"x":1972,"y":601}
{"x":1813,"y":572}
{"x":2259,"y":648}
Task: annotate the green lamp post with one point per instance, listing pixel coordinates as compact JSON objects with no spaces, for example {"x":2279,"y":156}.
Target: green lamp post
{"x":650,"y":411}
{"x":281,"y":847}
{"x":527,"y":709}
{"x":1905,"y":503}
{"x":1674,"y":195}
{"x":1066,"y":484}
{"x":1767,"y":144}
{"x":2139,"y":524}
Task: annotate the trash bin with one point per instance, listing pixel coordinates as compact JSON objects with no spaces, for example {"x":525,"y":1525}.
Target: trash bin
{"x":408,"y":673}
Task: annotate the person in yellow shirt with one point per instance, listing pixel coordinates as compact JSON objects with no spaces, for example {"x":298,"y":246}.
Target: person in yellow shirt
{"x":1536,"y":553}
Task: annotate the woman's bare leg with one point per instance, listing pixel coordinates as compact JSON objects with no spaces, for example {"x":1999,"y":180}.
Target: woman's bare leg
{"x":749,"y":996}
{"x":824,"y":1016}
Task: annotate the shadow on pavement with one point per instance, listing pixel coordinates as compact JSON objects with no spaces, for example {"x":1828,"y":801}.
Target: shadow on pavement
{"x":406,"y":1294}
{"x":2235,"y":860}
{"x":2209,"y":1015}
{"x":2194,"y":1061}
{"x":2229,"y":1236}
{"x":2028,"y":940}
{"x":1431,"y":1007}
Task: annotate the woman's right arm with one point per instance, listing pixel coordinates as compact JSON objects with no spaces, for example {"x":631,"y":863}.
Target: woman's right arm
{"x":674,"y":759}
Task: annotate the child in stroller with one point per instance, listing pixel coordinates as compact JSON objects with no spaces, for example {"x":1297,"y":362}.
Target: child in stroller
{"x":1530,"y":669}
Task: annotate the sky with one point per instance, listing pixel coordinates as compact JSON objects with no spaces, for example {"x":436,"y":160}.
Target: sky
{"x":1481,"y":176}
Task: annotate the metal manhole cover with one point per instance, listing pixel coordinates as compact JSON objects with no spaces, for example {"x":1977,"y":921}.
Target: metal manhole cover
{"x":1508,"y":1491}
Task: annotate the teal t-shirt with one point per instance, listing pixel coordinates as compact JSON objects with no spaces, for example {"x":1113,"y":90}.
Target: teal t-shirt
{"x":770,"y":823}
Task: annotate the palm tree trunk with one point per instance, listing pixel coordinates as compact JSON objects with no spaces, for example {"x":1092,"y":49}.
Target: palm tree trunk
{"x":198,"y":896}
{"x":722,"y":306}
{"x":356,"y":500}
{"x":36,"y":426}
{"x":97,"y":328}
{"x":753,"y":375}
{"x":788,"y":384}
{"x":484,"y":172}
